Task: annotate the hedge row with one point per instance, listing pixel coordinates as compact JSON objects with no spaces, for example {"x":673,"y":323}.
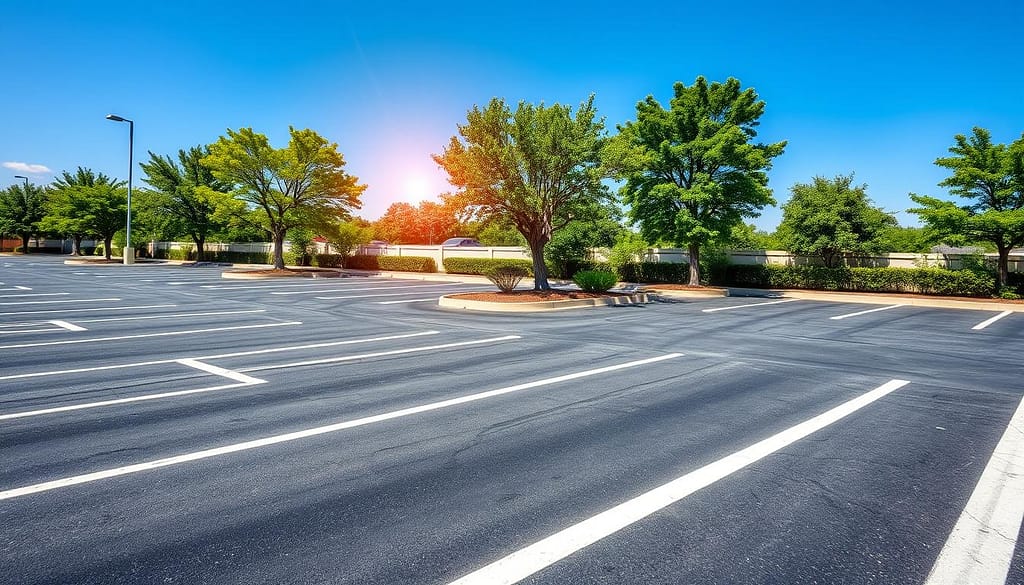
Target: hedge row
{"x":932,"y":281}
{"x":483,"y":266}
{"x":189,"y":254}
{"x":400,"y":263}
{"x":655,"y":272}
{"x":329,"y":260}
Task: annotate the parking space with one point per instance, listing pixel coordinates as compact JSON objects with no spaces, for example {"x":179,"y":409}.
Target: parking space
{"x":166,"y":424}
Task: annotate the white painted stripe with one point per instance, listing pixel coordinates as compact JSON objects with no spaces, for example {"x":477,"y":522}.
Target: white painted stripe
{"x":859,"y":313}
{"x":527,"y":561}
{"x":348,"y":358}
{"x":361,"y":289}
{"x":23,"y":288}
{"x":310,"y":284}
{"x":980,"y":548}
{"x":116,"y":401}
{"x":172,"y":315}
{"x":29,"y":331}
{"x":220,"y":356}
{"x":15,"y":288}
{"x":248,"y":445}
{"x":63,"y":294}
{"x":747,"y":305}
{"x":990,"y":321}
{"x":406,"y":301}
{"x":68,"y":326}
{"x":143,"y":335}
{"x":375,"y":295}
{"x":218,"y":371}
{"x":65,"y":301}
{"x":89,"y":310}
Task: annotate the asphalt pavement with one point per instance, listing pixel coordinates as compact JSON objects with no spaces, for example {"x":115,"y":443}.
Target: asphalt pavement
{"x":161,"y":424}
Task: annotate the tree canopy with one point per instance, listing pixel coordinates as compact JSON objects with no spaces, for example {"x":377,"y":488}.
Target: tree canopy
{"x":88,"y":203}
{"x":301,"y":185}
{"x":832,"y":217}
{"x":692,"y":171}
{"x":991,"y":177}
{"x":536,"y":166}
{"x":21,"y":211}
{"x":191,"y":194}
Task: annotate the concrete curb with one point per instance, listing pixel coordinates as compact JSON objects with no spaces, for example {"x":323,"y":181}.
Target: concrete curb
{"x":241,"y":275}
{"x":687,"y":294}
{"x":883,"y":299}
{"x":450,"y":302}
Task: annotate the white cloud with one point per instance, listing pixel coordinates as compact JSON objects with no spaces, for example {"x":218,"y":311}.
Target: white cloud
{"x":27,"y":168}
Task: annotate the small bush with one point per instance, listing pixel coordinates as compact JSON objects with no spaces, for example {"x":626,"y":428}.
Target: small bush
{"x":407,"y":263}
{"x":363,"y":262}
{"x":329,"y":260}
{"x":507,"y":278}
{"x":482,"y":266}
{"x":595,"y":280}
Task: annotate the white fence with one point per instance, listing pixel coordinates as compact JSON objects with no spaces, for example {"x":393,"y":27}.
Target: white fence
{"x":670,"y":255}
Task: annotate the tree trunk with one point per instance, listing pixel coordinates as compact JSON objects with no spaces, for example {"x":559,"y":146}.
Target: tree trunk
{"x":540,"y":269}
{"x":694,"y":250}
{"x":24,"y":243}
{"x":76,"y":245}
{"x":107,"y":242}
{"x":279,"y":249}
{"x":200,"y":253}
{"x":1004,"y":266}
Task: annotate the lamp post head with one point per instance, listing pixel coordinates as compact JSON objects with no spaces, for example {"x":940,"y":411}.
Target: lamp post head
{"x":117,"y":118}
{"x":20,"y":177}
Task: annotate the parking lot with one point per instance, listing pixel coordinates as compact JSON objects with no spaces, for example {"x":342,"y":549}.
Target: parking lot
{"x":161,"y":424}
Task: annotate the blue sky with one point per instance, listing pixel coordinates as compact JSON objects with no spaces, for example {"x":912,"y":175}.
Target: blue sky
{"x":875,"y":88}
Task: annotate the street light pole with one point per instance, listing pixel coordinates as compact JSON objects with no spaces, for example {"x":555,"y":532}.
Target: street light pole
{"x":129,"y":252}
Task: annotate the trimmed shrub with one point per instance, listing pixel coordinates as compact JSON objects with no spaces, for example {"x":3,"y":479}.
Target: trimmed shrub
{"x":595,"y":280}
{"x":483,"y":266}
{"x":506,"y":278}
{"x":655,"y":272}
{"x":931,"y":281}
{"x":407,"y":263}
{"x":398,"y":263}
{"x":329,"y":260}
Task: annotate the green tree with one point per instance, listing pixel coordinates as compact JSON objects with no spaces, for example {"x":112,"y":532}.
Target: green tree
{"x":905,"y":239}
{"x":62,"y":214}
{"x":991,"y":176}
{"x":87,"y":203}
{"x":191,"y":193}
{"x":537,"y":166}
{"x":301,"y":185}
{"x":831,"y":217}
{"x":22,"y":211}
{"x":345,"y":237}
{"x":746,"y":236}
{"x":595,"y":227}
{"x":497,"y":231}
{"x":692,"y":171}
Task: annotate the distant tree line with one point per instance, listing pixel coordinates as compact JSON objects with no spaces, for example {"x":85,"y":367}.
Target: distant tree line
{"x":690,"y":174}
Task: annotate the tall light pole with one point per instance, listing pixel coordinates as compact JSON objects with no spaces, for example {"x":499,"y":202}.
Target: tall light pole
{"x":129,"y":252}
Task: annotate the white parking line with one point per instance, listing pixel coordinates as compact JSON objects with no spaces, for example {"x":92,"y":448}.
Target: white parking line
{"x":990,"y":321}
{"x":68,"y":326}
{"x":527,"y":561}
{"x":361,"y":289}
{"x":143,"y":335}
{"x":980,"y":548}
{"x":16,"y":288}
{"x":276,"y":439}
{"x":65,"y":301}
{"x":89,"y":310}
{"x":747,"y":305}
{"x":348,"y":358}
{"x":859,"y":313}
{"x":221,"y":356}
{"x":61,"y":294}
{"x":372,"y":296}
{"x":315,"y":283}
{"x":175,"y":315}
{"x":406,"y":301}
{"x":218,"y":371}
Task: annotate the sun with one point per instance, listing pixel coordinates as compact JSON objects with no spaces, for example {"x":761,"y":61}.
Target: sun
{"x":416,"y":188}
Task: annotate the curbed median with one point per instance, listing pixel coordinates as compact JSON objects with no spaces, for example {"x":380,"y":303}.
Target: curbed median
{"x":460,"y":301}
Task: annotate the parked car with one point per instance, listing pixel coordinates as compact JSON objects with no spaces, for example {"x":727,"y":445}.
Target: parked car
{"x":460,"y":242}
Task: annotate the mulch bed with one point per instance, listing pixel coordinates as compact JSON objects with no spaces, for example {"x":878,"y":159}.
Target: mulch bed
{"x":530,"y":296}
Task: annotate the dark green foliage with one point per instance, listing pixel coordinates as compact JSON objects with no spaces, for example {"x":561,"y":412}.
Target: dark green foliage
{"x":932,"y":281}
{"x":399,"y":263}
{"x":507,"y":277}
{"x":330,"y":260}
{"x":482,"y":266}
{"x":651,"y":272}
{"x":190,"y":254}
{"x":595,"y":280}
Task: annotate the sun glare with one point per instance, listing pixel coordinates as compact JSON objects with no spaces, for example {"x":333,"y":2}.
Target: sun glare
{"x":417,"y":188}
